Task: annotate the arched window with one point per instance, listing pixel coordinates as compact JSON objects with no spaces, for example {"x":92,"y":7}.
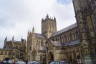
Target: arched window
{"x":30,"y":47}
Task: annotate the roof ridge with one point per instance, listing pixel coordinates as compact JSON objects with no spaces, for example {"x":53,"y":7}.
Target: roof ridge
{"x":65,"y":29}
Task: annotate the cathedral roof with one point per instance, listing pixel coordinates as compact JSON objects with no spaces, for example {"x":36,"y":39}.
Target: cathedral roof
{"x":72,"y":43}
{"x":65,"y":29}
{"x":56,"y":43}
{"x":14,"y":41}
{"x":5,"y":49}
{"x":39,"y":35}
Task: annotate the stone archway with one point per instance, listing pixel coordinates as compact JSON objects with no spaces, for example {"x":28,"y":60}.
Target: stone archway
{"x":78,"y":58}
{"x":50,"y":57}
{"x":33,"y":58}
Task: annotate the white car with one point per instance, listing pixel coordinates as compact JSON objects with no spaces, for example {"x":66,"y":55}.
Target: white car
{"x":20,"y":62}
{"x":33,"y":62}
{"x":54,"y":62}
{"x":9,"y":61}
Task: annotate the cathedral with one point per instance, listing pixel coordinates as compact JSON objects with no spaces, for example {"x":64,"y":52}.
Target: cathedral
{"x":75,"y":44}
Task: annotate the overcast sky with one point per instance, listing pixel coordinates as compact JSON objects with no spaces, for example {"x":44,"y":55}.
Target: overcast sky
{"x":17,"y":17}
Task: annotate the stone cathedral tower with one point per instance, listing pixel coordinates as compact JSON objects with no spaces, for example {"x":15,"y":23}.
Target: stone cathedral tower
{"x":48,"y":26}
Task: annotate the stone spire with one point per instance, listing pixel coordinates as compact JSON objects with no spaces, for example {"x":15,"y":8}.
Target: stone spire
{"x":33,"y":30}
{"x":5,"y":42}
{"x":5,"y":39}
{"x":13,"y":41}
{"x":47,"y":16}
{"x":54,"y":19}
{"x":13,"y":38}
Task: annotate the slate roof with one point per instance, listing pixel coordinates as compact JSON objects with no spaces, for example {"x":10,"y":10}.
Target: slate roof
{"x":39,"y":35}
{"x":14,"y":41}
{"x":65,"y":29}
{"x":5,"y":49}
{"x":56,"y":43}
{"x":72,"y":43}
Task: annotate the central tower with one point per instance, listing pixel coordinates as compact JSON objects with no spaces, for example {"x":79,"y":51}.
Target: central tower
{"x":48,"y":26}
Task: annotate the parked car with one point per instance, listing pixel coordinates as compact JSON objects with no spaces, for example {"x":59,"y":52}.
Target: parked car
{"x":64,"y":62}
{"x":54,"y":62}
{"x":1,"y":63}
{"x":20,"y":62}
{"x":59,"y":62}
{"x":7,"y":62}
{"x":33,"y":62}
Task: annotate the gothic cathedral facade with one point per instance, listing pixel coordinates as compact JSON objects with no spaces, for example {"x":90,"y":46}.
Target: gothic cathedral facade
{"x":74,"y":44}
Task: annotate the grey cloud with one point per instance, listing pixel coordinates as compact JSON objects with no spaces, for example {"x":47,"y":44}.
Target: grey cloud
{"x":14,"y":8}
{"x":23,"y":14}
{"x":6,"y":23}
{"x":11,"y":12}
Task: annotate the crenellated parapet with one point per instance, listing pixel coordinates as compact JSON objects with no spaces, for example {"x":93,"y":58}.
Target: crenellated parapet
{"x":49,"y":18}
{"x":48,"y":26}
